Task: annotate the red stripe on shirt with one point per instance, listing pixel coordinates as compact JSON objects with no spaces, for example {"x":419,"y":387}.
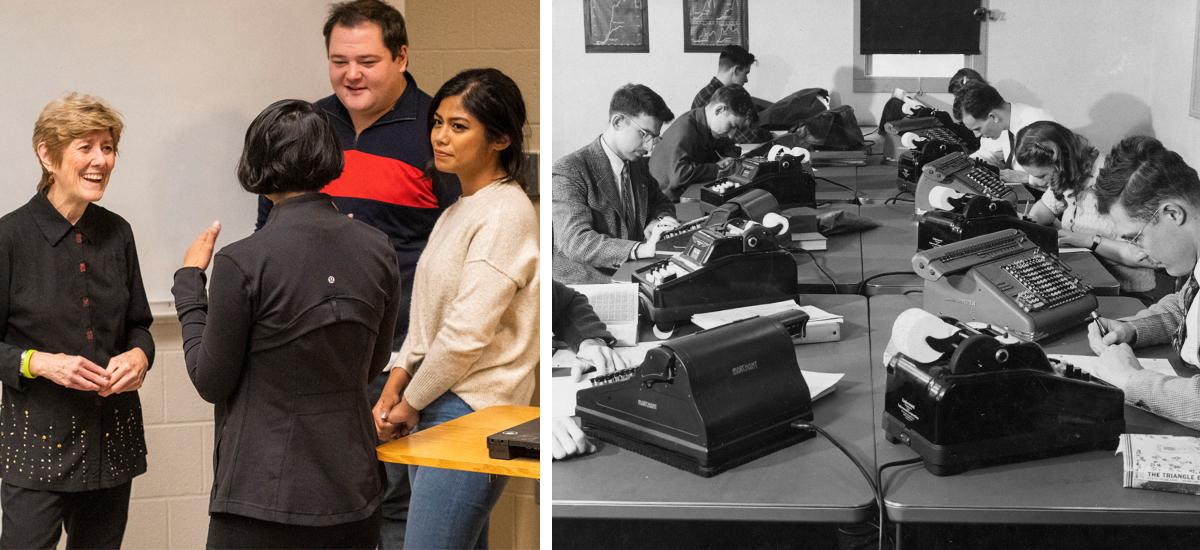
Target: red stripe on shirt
{"x":373,"y":177}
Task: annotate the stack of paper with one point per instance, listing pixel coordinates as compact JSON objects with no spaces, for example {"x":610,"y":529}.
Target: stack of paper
{"x":822,"y":325}
{"x":616,"y":304}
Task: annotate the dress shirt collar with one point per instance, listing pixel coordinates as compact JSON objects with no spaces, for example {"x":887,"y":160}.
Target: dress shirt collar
{"x":52,"y":223}
{"x":617,"y":163}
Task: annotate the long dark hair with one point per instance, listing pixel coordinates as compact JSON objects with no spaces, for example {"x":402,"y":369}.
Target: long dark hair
{"x":1046,"y":143}
{"x":494,"y":100}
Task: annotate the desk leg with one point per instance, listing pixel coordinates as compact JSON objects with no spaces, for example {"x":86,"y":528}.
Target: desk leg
{"x":899,"y":536}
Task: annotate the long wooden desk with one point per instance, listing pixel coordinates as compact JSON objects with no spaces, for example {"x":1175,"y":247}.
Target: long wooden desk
{"x":807,"y":482}
{"x":1083,"y":488}
{"x":461,"y":444}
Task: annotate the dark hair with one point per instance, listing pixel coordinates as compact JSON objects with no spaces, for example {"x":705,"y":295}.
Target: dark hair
{"x":734,"y":56}
{"x":636,"y":100}
{"x":356,"y":12}
{"x":1046,"y":143}
{"x":495,"y":101}
{"x":290,"y":146}
{"x":737,"y":99}
{"x":962,"y":77}
{"x":1141,"y":173}
{"x":976,"y":99}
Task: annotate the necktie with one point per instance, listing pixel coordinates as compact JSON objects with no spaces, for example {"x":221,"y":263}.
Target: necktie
{"x":630,"y":201}
{"x":1012,"y":146}
{"x":1189,"y":295}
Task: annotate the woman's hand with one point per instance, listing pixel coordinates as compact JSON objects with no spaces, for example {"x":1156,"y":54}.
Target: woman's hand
{"x":126,"y":372}
{"x":1074,"y":238}
{"x":404,"y":417}
{"x":199,"y":254}
{"x":384,"y":430}
{"x":69,"y":371}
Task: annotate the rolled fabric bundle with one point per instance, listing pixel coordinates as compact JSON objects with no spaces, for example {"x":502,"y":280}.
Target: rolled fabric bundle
{"x":909,"y":334}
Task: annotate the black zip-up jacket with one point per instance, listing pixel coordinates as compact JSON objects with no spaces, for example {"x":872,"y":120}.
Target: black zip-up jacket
{"x":298,"y":319}
{"x":384,"y":183}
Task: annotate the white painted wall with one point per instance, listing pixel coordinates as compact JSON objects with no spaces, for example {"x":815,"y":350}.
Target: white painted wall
{"x":1174,"y":40}
{"x":1090,"y":62}
{"x":188,"y":77}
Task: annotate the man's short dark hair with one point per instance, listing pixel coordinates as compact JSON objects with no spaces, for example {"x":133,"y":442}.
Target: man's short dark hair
{"x":1142,"y":174}
{"x":635,"y":100}
{"x":977,"y":99}
{"x":356,"y":12}
{"x":735,"y":56}
{"x":737,"y":99}
{"x":290,"y":146}
{"x":962,"y":77}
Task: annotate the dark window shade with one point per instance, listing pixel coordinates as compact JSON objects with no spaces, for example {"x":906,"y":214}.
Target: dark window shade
{"x":919,"y":26}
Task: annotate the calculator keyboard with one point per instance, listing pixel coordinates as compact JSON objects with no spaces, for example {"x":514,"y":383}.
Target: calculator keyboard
{"x":1047,"y":283}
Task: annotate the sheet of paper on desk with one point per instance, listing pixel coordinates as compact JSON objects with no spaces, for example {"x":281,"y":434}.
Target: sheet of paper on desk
{"x":1091,"y":363}
{"x":726,"y":316}
{"x":822,"y":325}
{"x":616,"y":304}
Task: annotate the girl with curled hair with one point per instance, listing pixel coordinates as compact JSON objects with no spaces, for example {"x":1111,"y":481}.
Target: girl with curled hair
{"x":1068,"y":165}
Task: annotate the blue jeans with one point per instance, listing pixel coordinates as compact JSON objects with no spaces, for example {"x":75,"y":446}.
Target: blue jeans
{"x":449,"y":508}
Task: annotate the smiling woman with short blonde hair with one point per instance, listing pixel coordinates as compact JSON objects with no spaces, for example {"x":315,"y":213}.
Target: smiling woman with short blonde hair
{"x":74,"y":342}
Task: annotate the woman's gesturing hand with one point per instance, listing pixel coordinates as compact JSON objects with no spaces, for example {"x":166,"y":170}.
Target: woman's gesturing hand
{"x":199,"y":254}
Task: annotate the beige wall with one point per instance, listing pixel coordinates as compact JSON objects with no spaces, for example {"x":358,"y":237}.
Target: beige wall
{"x":445,"y":37}
{"x":1174,"y":40}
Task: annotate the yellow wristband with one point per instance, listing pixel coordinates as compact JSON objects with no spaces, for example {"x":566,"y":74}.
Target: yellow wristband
{"x":25,"y":357}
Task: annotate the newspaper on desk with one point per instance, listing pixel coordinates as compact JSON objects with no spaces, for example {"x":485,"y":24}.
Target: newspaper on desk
{"x":1161,"y":462}
{"x":616,"y":304}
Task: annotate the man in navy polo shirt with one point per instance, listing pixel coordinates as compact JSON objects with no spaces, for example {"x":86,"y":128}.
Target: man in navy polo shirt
{"x":379,"y":115}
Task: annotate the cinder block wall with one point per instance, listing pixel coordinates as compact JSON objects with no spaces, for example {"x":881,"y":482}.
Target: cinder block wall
{"x":445,"y":37}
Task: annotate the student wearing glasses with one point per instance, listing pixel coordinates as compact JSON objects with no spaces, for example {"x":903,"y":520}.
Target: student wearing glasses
{"x":1153,"y":198}
{"x":1068,"y":164}
{"x":607,"y":207}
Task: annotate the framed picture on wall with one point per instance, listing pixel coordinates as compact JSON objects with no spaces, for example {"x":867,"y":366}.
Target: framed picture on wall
{"x":615,"y":26}
{"x":709,"y":25}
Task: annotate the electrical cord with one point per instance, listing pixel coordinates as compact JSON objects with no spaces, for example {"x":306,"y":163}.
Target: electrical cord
{"x":871,"y":480}
{"x":896,"y":198}
{"x":879,"y":482}
{"x":862,"y":287}
{"x":818,"y":266}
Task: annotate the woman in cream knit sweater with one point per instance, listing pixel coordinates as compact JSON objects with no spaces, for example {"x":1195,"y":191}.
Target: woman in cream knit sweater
{"x":473,"y":329}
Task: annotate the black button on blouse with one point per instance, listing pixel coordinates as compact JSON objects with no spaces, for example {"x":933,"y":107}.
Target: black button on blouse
{"x":75,"y":290}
